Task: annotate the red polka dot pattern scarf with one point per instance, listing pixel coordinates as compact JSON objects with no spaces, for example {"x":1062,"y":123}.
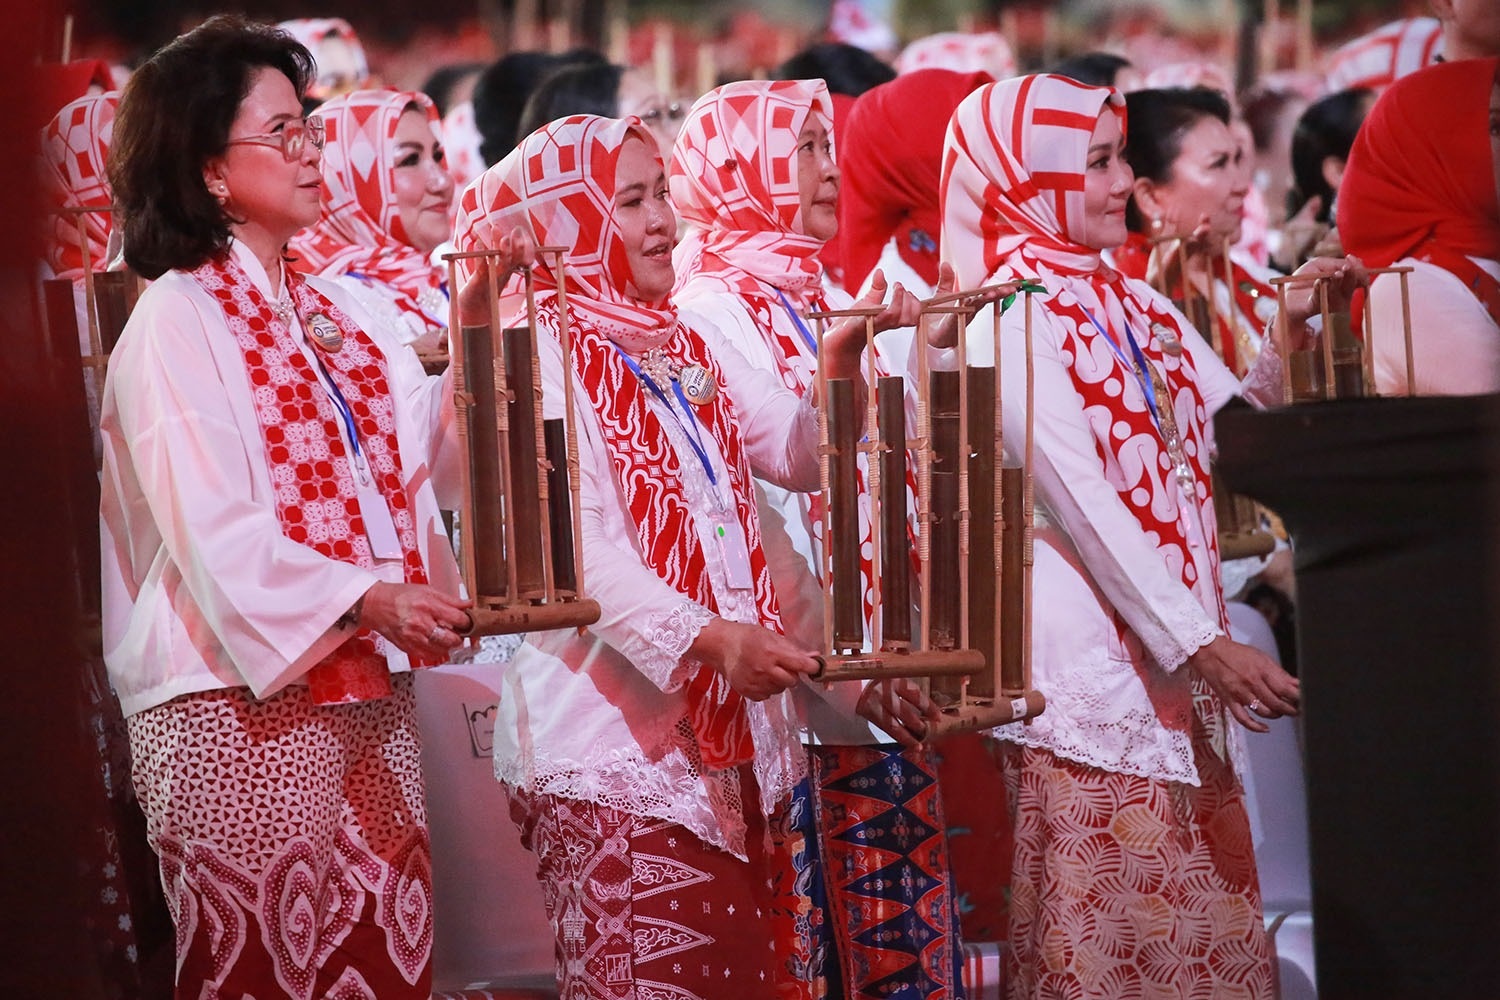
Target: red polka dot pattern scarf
{"x":312,"y":473}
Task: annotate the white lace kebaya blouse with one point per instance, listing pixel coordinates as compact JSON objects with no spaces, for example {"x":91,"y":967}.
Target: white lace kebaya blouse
{"x":597,"y":716}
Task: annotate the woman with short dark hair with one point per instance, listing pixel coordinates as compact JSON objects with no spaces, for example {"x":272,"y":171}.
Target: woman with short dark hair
{"x":273,"y":560}
{"x":1191,"y":181}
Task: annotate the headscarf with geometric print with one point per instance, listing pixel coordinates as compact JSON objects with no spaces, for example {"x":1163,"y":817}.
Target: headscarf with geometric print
{"x":360,"y":230}
{"x":75,"y":145}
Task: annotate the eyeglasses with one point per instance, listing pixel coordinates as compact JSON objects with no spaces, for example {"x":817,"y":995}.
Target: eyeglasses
{"x":671,"y":112}
{"x":290,"y":137}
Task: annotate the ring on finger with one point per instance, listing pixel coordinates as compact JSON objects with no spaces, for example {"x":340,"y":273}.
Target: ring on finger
{"x":1256,"y":707}
{"x":433,"y":636}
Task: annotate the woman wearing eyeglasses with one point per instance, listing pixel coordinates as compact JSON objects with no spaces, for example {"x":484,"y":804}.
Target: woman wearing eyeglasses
{"x":272,"y":557}
{"x":609,"y":91}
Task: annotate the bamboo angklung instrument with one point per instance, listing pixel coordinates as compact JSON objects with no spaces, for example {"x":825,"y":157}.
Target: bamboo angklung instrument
{"x":520,"y":558}
{"x":1351,"y":360}
{"x":971,"y":652}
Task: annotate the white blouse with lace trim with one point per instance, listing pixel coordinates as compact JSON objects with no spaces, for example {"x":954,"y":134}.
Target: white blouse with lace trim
{"x":1117,"y":704}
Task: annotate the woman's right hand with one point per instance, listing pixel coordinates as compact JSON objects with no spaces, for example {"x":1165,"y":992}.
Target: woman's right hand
{"x":900,"y":709}
{"x":419,"y":620}
{"x":517,"y":250}
{"x":1249,"y":683}
{"x":756,"y":661}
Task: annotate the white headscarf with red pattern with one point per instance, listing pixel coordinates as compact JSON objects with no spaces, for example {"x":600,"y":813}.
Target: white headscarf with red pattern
{"x":360,"y":230}
{"x":734,"y":176}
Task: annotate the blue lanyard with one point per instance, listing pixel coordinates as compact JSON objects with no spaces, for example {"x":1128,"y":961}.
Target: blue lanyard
{"x":339,"y":403}
{"x":690,"y":427}
{"x":807,"y":337}
{"x":1140,"y":362}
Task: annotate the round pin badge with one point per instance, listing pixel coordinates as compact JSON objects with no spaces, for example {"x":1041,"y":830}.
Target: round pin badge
{"x":325,"y":332}
{"x":697,"y":384}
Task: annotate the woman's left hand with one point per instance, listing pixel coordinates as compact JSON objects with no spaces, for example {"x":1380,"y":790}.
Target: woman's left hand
{"x":1249,"y":683}
{"x":516,"y":251}
{"x":898,"y":707}
{"x":845,"y":341}
{"x":943,"y":334}
{"x":1303,"y":302}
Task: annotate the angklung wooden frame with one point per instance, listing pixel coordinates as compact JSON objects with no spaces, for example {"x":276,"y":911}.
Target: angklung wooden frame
{"x":520,"y":542}
{"x":976,"y":663}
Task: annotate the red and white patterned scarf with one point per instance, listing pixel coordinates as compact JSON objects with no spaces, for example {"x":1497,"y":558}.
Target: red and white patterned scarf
{"x":311,"y":472}
{"x":1013,"y":198}
{"x":75,"y":145}
{"x":1385,"y":55}
{"x":734,"y":176}
{"x":961,"y":52}
{"x":559,"y":183}
{"x":360,"y":230}
{"x":333,"y":43}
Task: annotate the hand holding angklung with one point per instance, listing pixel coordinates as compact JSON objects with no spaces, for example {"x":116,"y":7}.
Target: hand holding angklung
{"x":756,"y":661}
{"x":419,"y":620}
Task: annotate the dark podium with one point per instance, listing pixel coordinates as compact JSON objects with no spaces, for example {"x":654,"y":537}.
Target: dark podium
{"x":1393,"y":514}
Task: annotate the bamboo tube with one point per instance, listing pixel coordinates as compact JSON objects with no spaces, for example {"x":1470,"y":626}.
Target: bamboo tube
{"x":984,"y":517}
{"x":980,"y":716}
{"x":1411,"y":383}
{"x":483,"y":532}
{"x":843,"y":503}
{"x":112,"y":292}
{"x":560,"y":510}
{"x":525,"y":509}
{"x":873,"y":666}
{"x":1234,"y":322}
{"x":895,"y":564}
{"x":1330,"y":382}
{"x":531,"y":618}
{"x":1368,"y":327}
{"x":565,"y":338}
{"x":1028,"y":506}
{"x":943,"y":625}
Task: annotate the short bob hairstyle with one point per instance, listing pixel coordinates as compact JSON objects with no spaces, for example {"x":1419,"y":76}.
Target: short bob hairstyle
{"x":1158,"y":119}
{"x":174,"y":116}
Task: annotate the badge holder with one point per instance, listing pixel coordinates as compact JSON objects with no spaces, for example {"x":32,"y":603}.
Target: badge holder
{"x":521,"y":559}
{"x":963,"y":629}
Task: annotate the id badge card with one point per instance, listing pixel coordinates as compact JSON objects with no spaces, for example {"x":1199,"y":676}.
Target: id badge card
{"x":730,"y":538}
{"x":379,"y":527}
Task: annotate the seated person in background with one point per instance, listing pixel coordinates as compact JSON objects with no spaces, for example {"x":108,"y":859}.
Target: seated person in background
{"x":1420,"y":191}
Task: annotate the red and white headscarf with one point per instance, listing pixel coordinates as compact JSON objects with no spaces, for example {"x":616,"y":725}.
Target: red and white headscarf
{"x":892,"y":157}
{"x":734,"y":176}
{"x":332,"y":78}
{"x":1013,"y":204}
{"x":559,"y":184}
{"x":461,"y":145}
{"x":360,"y":231}
{"x":75,"y":145}
{"x":1385,"y":55}
{"x":961,"y":52}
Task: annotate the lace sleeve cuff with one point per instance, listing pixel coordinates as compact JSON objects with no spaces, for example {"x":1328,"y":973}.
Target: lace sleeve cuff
{"x":666,"y":638}
{"x":1172,"y":648}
